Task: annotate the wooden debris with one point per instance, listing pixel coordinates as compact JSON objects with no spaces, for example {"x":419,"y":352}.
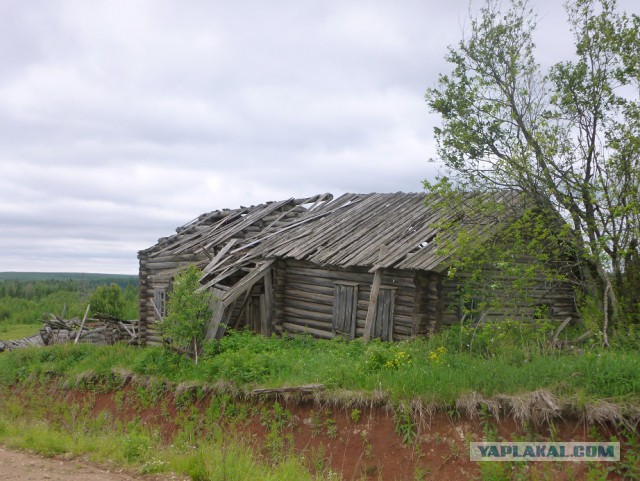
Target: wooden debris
{"x":304,"y":389}
{"x":557,"y":332}
{"x":98,"y":330}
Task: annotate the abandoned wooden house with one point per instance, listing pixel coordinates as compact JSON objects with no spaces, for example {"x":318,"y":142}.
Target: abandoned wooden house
{"x":361,"y":265}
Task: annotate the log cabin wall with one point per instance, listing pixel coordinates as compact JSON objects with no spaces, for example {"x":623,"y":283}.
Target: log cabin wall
{"x":305,"y":297}
{"x":556,"y":298}
{"x":309,"y":266}
{"x":427,"y":317}
{"x":156,"y":274}
{"x":144,"y":291}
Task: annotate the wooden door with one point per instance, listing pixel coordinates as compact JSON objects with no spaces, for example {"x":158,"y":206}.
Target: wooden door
{"x":345,"y":309}
{"x":383,"y":323}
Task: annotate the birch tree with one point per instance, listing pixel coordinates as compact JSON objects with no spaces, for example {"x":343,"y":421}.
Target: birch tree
{"x":567,"y":137}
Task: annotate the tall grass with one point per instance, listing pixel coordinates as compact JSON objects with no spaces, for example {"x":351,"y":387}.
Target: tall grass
{"x":38,"y":426}
{"x":18,"y":331}
{"x":429,"y":369}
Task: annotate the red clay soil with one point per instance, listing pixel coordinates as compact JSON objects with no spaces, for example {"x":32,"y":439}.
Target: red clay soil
{"x":358,"y":445}
{"x":366,"y":446}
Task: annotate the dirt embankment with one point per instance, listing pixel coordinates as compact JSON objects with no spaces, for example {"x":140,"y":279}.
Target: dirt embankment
{"x":360,"y":443}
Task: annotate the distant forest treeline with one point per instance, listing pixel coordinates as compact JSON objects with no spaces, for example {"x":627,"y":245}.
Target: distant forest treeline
{"x":27,"y":297}
{"x":94,"y":279}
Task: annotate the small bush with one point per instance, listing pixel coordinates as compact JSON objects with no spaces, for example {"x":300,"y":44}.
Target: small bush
{"x":187,"y":312}
{"x":108,"y":300}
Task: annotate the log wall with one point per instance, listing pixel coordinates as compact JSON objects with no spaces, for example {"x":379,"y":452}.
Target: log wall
{"x":556,"y":295}
{"x":304,"y":298}
{"x":157,"y":272}
{"x":428,"y":305}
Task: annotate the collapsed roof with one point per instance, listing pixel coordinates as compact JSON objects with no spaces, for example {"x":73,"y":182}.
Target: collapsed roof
{"x":365,"y":230}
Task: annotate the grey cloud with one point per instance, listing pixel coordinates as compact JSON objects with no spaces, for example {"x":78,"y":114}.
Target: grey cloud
{"x":120,"y":121}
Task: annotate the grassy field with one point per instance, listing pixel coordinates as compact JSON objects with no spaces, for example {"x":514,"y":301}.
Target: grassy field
{"x":18,"y":331}
{"x":441,"y":372}
{"x":432,"y":370}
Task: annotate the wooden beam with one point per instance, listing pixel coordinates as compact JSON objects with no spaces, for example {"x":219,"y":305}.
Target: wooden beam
{"x":304,"y":389}
{"x":373,"y":298}
{"x":82,"y":324}
{"x":221,"y":312}
{"x":560,"y":328}
{"x":218,"y":314}
{"x":216,"y":260}
{"x":247,"y":282}
{"x":243,"y":306}
{"x":373,"y":305}
{"x":266,"y":321}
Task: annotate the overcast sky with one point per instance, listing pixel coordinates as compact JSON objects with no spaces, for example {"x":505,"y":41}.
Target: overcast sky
{"x":121,"y":120}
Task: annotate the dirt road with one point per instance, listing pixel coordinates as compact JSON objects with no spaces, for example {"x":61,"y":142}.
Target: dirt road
{"x":15,"y":465}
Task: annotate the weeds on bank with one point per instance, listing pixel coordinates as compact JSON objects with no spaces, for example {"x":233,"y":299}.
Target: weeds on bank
{"x":439,"y":369}
{"x":28,"y":420}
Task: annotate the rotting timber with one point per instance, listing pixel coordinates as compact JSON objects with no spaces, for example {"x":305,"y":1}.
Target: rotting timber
{"x":361,"y":265}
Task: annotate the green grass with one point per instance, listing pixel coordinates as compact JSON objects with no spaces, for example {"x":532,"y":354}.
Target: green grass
{"x":18,"y":331}
{"x":31,"y":422}
{"x":441,"y":370}
{"x":415,"y":369}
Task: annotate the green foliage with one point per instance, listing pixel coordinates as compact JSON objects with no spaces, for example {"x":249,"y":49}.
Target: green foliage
{"x":187,"y":311}
{"x":28,"y":301}
{"x":629,"y":465}
{"x":18,"y":331}
{"x":503,"y":339}
{"x":405,"y":425}
{"x":29,"y":421}
{"x":249,"y":361}
{"x":509,"y":269}
{"x":355,"y":415}
{"x":136,"y":446}
{"x":107,"y":300}
{"x":566,"y":138}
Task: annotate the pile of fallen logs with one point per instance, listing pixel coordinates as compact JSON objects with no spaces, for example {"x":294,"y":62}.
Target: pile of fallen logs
{"x":100,"y":329}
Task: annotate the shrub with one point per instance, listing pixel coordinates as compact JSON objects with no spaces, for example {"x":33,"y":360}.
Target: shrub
{"x":187,"y":312}
{"x":108,"y":300}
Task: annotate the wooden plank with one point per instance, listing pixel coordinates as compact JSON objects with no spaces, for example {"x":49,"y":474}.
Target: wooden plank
{"x":82,"y":323}
{"x":311,"y":306}
{"x":292,"y":226}
{"x":332,"y":274}
{"x":247,"y":282}
{"x":256,"y":214}
{"x":267,"y":320}
{"x":304,"y":389}
{"x":219,"y":256}
{"x":557,"y":332}
{"x":302,"y":295}
{"x":345,"y":309}
{"x":219,"y":310}
{"x":241,"y":310}
{"x":384,"y":318}
{"x":321,"y":333}
{"x":303,"y":314}
{"x":306,"y":280}
{"x":306,"y":322}
{"x":373,"y":305}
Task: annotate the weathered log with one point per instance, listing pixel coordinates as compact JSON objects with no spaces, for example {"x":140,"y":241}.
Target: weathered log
{"x":304,"y":389}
